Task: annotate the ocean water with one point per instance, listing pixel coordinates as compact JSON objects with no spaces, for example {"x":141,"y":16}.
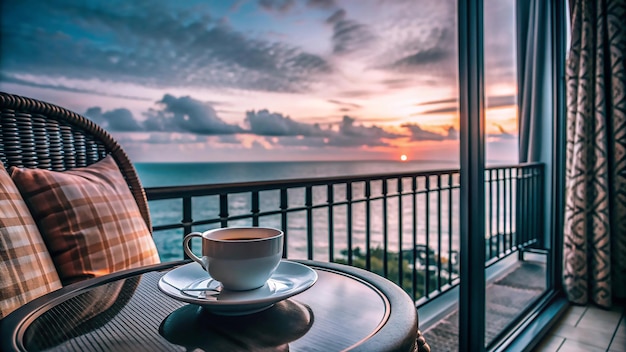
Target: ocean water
{"x":428,"y":226}
{"x":178,"y":174}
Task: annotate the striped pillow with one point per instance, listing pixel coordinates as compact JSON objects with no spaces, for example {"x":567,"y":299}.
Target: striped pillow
{"x":88,"y":218}
{"x":26,"y":269}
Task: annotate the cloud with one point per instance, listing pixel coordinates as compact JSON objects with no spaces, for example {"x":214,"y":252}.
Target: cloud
{"x":293,"y":141}
{"x":195,"y":44}
{"x":349,"y":36}
{"x":161,"y":138}
{"x":5,"y":78}
{"x":344,"y":106}
{"x":348,"y":128}
{"x":176,"y":115}
{"x":121,"y":120}
{"x":336,"y":141}
{"x":422,"y":57}
{"x":418,"y":40}
{"x":337,"y":16}
{"x":276,"y":5}
{"x":172,"y":114}
{"x":357,"y":93}
{"x":155,"y":46}
{"x":453,"y":134}
{"x":186,"y":114}
{"x":229,"y":139}
{"x":265,"y":123}
{"x":173,"y":138}
{"x":292,"y":133}
{"x":420,"y":134}
{"x":437,"y":102}
{"x":321,"y":4}
{"x":399,"y":83}
{"x":503,"y":135}
{"x":350,"y":134}
{"x":445,"y":110}
{"x":498,"y":101}
{"x":95,"y":115}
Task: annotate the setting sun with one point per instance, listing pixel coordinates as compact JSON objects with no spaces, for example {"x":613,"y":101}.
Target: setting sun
{"x":403,"y":157}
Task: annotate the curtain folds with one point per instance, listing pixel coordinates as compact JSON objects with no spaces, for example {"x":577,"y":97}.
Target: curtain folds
{"x":594,"y":244}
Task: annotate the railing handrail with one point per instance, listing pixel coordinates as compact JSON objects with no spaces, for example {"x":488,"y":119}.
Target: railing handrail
{"x":166,"y":192}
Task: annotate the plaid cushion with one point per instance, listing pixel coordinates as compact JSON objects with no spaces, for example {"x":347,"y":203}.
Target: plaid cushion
{"x":26,"y":269}
{"x":88,"y":218}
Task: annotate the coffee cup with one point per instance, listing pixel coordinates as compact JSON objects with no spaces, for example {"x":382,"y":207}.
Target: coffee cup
{"x":241,"y":258}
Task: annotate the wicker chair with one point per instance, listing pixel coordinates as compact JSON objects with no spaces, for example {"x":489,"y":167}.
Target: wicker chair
{"x":39,"y":135}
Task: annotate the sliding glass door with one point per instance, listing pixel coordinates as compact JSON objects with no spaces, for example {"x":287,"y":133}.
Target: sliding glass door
{"x":505,"y":107}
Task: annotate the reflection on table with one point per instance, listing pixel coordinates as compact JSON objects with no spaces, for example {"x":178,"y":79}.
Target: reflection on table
{"x":272,"y":329}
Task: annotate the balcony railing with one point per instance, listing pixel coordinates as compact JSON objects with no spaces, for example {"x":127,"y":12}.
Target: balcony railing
{"x":403,"y":226}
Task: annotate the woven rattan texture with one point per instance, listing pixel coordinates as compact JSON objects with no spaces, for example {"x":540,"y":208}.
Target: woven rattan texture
{"x":35,"y":134}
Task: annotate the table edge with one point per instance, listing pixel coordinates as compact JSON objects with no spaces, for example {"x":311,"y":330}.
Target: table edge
{"x":401,"y":326}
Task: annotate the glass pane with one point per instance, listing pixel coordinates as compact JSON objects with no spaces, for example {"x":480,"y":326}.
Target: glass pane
{"x":513,"y":281}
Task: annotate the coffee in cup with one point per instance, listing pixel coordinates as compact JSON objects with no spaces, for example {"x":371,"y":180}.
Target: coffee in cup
{"x":241,"y":258}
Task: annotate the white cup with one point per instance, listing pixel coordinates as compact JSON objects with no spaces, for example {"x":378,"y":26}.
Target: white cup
{"x":241,"y":258}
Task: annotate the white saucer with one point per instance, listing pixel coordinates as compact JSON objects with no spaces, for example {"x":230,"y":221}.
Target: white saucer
{"x":190,"y":283}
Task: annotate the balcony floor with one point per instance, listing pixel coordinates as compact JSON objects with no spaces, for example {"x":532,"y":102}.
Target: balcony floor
{"x":506,"y":296}
{"x":588,"y":329}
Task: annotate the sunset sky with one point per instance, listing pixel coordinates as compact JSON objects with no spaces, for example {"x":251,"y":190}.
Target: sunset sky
{"x":212,"y":80}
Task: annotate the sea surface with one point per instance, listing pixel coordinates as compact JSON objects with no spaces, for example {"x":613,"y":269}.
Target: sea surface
{"x":179,"y":174}
{"x":169,"y":242}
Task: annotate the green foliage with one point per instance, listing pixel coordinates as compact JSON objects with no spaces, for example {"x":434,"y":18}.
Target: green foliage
{"x":377,"y":260}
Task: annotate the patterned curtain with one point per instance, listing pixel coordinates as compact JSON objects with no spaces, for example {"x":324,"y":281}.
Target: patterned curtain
{"x":594,"y":251}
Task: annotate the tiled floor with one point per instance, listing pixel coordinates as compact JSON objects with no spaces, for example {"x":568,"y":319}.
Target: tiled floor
{"x":588,"y":329}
